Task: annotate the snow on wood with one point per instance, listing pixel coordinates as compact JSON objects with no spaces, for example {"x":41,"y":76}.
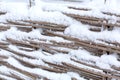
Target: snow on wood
{"x":59,"y":40}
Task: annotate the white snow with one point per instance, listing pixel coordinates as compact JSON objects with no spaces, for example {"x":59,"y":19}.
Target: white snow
{"x":45,"y":10}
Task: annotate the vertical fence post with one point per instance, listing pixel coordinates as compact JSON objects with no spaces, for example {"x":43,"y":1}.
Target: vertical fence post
{"x":31,"y":3}
{"x":104,"y":1}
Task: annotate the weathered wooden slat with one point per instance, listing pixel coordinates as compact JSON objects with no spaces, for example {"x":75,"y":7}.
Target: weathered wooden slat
{"x":12,"y":76}
{"x":4,"y":28}
{"x":87,"y":43}
{"x":31,"y":75}
{"x":90,"y":71}
{"x":37,"y":26}
{"x":45,"y":23}
{"x":95,"y":29}
{"x":2,"y":13}
{"x":111,"y":14}
{"x":96,"y":67}
{"x":100,"y":22}
{"x":31,"y":65}
{"x":18,"y":53}
{"x":83,"y":9}
{"x":87,"y":9}
{"x":57,"y":66}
